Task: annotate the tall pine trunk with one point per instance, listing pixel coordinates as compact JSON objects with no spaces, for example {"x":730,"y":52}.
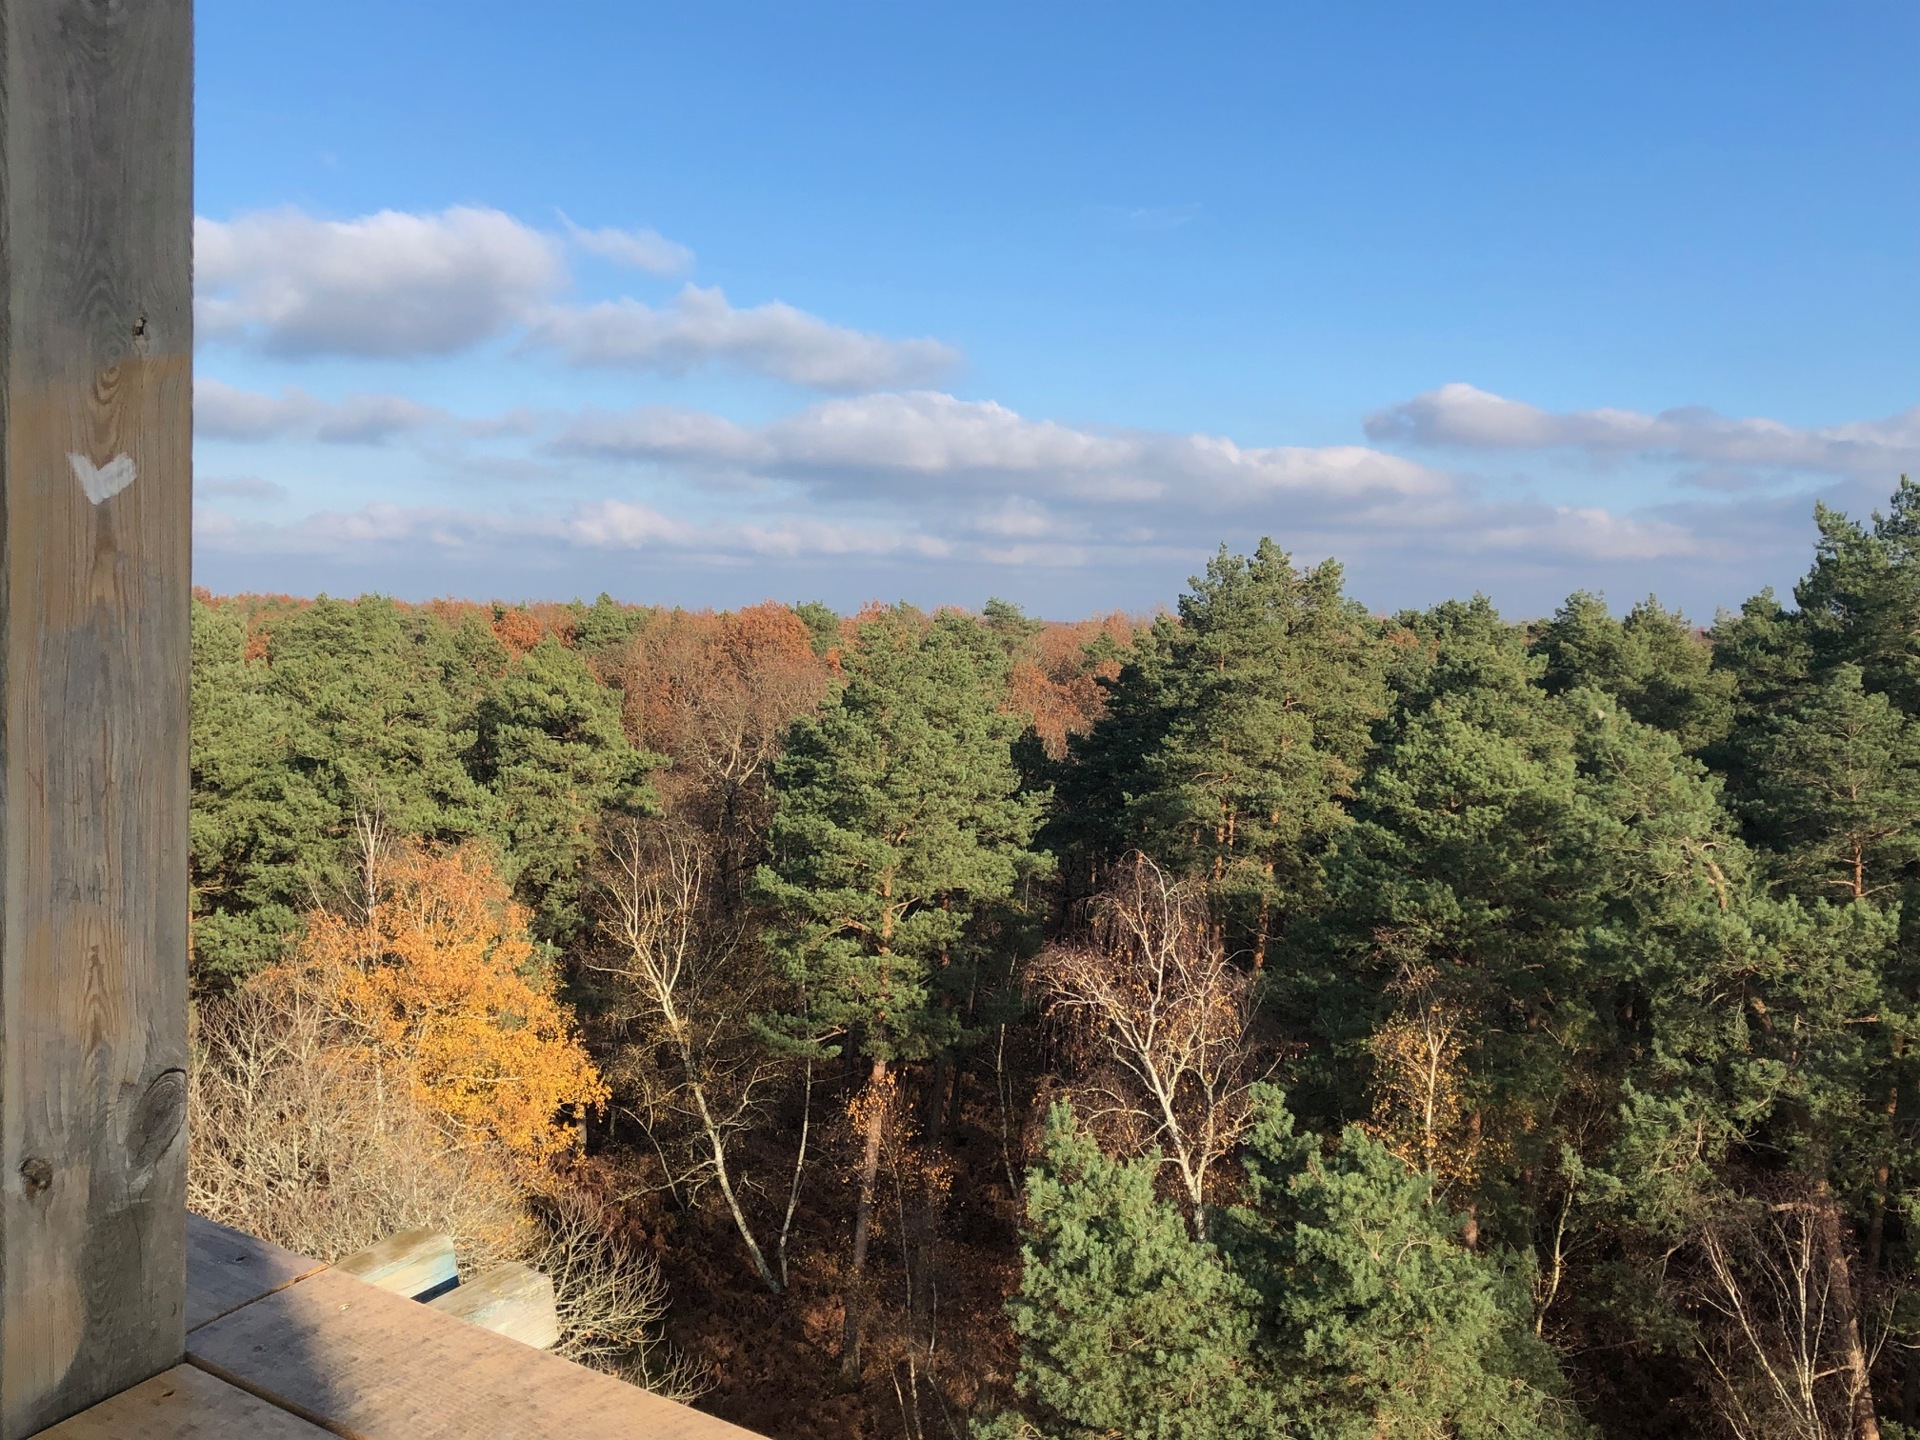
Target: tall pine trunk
{"x":926,"y":1220}
{"x":855,"y":1299}
{"x":1853,"y":1354}
{"x":1883,"y":1172}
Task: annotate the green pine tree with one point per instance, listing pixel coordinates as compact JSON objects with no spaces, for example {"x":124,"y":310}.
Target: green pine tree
{"x":1653,"y":663}
{"x":257,"y":820}
{"x":1128,"y":1325}
{"x":1837,"y":789}
{"x":549,"y":746}
{"x":1861,"y":600}
{"x":1237,"y":733}
{"x":1340,"y":1304}
{"x":900,"y":819}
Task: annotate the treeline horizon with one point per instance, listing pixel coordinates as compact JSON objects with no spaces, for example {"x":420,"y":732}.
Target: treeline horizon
{"x":1262,"y":1016}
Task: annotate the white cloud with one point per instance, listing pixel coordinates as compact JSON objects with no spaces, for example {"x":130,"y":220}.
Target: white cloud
{"x":896,"y":443}
{"x":224,"y":412}
{"x":622,"y":525}
{"x":1018,"y":518}
{"x":947,"y":497}
{"x":1587,"y":532}
{"x":237,"y":487}
{"x":386,"y":285}
{"x":701,"y":327}
{"x":372,"y":419}
{"x":399,"y":285}
{"x":1466,"y":417}
{"x":221,"y":412}
{"x":791,"y":536}
{"x":642,"y":249}
{"x":605,"y":525}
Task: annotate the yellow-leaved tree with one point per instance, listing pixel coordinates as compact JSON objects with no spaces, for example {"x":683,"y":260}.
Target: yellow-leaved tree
{"x":435,"y":975}
{"x":408,"y":1066}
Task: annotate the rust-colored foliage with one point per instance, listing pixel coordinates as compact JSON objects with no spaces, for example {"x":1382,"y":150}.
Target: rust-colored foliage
{"x":517,"y":629}
{"x":1057,"y":684}
{"x":715,"y":693}
{"x":435,"y":974}
{"x":747,"y":672}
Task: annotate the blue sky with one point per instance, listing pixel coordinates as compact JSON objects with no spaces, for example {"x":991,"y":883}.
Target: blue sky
{"x":708,"y":303}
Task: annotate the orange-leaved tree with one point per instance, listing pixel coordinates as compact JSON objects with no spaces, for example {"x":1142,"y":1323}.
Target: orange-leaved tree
{"x":434,"y":973}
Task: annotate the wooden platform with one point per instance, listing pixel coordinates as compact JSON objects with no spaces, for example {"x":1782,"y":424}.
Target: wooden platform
{"x":282,"y":1348}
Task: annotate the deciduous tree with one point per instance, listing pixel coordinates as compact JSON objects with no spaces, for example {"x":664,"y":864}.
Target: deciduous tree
{"x":437,"y":976}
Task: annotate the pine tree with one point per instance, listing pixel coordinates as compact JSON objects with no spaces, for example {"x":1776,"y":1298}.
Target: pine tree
{"x":1838,"y":789}
{"x":1767,"y":654}
{"x":1861,"y":600}
{"x":257,"y":820}
{"x":1653,"y":663}
{"x":600,"y":629}
{"x":1376,"y":1319}
{"x":1529,"y":877}
{"x":1463,"y":883}
{"x":1128,"y":1325}
{"x":325,"y":720}
{"x":900,"y":818}
{"x":1339,"y":1304}
{"x":548,"y":745}
{"x":1235,"y":736}
{"x":381,"y":700}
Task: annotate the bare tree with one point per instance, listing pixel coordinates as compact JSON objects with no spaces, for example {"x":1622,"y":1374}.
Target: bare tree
{"x":1785,"y":1349}
{"x":301,"y":1137}
{"x":608,"y":1296}
{"x":316,"y":1144}
{"x":1159,"y":1021}
{"x":1420,"y":1109}
{"x":691,"y":989}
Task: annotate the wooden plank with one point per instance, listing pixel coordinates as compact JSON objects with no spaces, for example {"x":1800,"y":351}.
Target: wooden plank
{"x":184,"y":1403}
{"x":228,"y":1268}
{"x":514,"y":1300}
{"x":96,"y":355}
{"x":414,"y":1263}
{"x":369,"y":1365}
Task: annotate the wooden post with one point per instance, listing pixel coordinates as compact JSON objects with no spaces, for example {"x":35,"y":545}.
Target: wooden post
{"x":96,"y":345}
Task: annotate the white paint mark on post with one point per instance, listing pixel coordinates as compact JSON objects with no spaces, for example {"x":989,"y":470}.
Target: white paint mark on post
{"x":103,"y":482}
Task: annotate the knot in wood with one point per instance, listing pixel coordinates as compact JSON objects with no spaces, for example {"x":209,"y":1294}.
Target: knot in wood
{"x":157,"y":1119}
{"x":36,"y":1174}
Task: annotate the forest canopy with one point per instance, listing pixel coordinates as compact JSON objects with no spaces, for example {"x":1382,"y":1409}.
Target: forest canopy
{"x":1266,"y":1017}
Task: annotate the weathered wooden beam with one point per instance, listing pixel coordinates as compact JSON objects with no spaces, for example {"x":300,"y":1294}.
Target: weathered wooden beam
{"x":514,"y":1300}
{"x":363,"y":1363}
{"x":415,"y":1263}
{"x":228,"y":1268}
{"x":96,"y":342}
{"x":185,"y":1403}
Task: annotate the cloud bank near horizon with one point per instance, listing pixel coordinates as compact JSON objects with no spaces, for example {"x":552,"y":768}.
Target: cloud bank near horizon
{"x":951,"y":481}
{"x":1463,"y":417}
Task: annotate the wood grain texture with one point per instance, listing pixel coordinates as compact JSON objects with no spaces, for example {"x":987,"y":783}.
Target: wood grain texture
{"x":513,"y":1300}
{"x":412,"y":1263}
{"x":96,"y":343}
{"x":184,"y":1404}
{"x":228,"y":1268}
{"x":372,"y":1366}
